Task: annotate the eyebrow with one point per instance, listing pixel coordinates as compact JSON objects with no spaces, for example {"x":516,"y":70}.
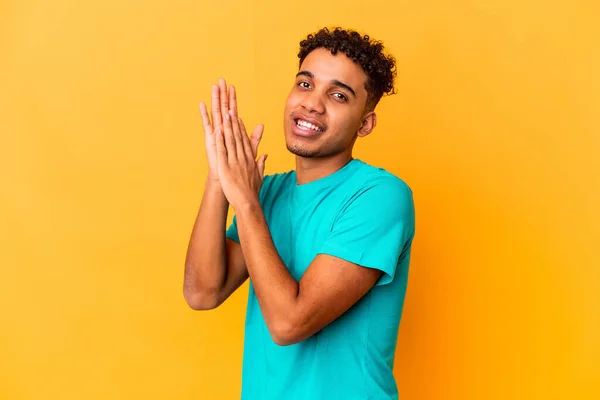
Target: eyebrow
{"x":334,"y":82}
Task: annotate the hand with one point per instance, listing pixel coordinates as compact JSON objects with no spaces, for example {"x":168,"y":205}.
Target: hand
{"x":239,"y":173}
{"x":221,"y":103}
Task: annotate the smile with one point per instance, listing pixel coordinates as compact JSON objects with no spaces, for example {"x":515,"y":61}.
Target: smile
{"x":304,"y":125}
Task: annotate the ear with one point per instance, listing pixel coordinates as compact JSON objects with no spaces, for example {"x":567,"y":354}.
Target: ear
{"x":368,"y":124}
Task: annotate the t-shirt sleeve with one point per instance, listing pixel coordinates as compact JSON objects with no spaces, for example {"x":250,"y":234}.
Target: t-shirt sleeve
{"x":375,"y":227}
{"x":232,"y":232}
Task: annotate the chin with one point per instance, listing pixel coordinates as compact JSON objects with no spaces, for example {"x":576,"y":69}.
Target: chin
{"x":295,"y":147}
{"x":300,"y":151}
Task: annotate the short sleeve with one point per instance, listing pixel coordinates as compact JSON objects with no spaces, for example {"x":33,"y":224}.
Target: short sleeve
{"x":232,"y":232}
{"x":375,"y":227}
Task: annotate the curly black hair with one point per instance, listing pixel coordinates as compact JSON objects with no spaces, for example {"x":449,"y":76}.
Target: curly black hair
{"x":379,"y":67}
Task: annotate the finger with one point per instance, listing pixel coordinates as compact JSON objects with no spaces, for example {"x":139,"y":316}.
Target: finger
{"x":256,"y":137}
{"x":235,"y":120}
{"x":205,"y":119}
{"x":230,"y":142}
{"x":254,"y":140}
{"x":221,"y":148}
{"x":233,"y":101}
{"x":242,"y":127}
{"x":250,"y":155}
{"x":260,"y":164}
{"x":223,"y":97}
{"x":237,"y":136}
{"x":216,"y":107}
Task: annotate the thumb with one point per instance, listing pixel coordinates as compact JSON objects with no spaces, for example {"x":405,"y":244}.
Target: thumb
{"x":261,"y":165}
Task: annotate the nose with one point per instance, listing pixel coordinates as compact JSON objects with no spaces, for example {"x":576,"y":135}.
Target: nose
{"x":313,"y":102}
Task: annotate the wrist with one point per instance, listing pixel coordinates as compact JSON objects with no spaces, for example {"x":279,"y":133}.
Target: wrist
{"x":249,"y":205}
{"x":212,"y":184}
{"x":213,"y":188}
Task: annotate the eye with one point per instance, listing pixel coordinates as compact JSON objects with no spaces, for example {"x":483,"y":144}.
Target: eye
{"x":340,"y":96}
{"x":304,"y":84}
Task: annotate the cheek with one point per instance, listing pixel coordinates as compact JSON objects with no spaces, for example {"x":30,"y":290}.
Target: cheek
{"x":346,"y":120}
{"x":291,"y":101}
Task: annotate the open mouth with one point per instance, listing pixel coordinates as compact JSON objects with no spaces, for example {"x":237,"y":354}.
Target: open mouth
{"x":307,"y":126}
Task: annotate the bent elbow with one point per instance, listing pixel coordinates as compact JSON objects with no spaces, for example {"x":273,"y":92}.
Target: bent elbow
{"x":201,"y":301}
{"x":285,"y":333}
{"x":284,"y":340}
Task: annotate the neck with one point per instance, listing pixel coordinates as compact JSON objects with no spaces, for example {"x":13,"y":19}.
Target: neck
{"x":311,"y":169}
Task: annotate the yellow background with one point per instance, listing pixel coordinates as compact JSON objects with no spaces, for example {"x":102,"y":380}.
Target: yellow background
{"x":495,"y":127}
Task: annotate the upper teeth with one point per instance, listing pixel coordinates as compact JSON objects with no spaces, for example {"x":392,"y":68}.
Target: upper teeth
{"x":308,"y":125}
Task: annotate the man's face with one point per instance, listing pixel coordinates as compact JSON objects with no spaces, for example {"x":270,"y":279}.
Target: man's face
{"x":326,"y":105}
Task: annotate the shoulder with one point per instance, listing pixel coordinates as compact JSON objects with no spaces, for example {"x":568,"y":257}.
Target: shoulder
{"x":381,"y":187}
{"x":275,"y":184}
{"x":378,"y":207}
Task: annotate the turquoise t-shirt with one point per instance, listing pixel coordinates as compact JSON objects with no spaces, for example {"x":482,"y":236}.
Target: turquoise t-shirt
{"x":361,"y":214}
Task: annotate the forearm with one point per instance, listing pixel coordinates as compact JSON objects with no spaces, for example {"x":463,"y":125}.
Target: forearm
{"x":276,"y":289}
{"x":206,"y":264}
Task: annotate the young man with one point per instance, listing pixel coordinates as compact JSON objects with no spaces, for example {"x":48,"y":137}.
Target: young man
{"x":326,"y":246}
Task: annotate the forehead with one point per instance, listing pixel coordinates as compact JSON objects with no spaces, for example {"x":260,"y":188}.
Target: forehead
{"x":328,"y":67}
